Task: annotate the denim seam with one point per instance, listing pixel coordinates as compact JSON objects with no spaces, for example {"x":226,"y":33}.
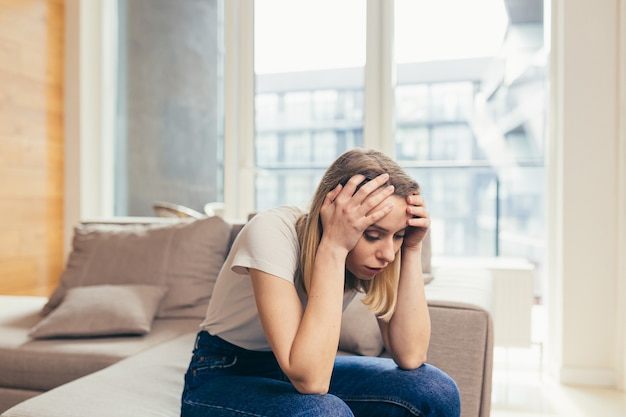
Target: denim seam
{"x":391,"y":400}
{"x":243,"y":413}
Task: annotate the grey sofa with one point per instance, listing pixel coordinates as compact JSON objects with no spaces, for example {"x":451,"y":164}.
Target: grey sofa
{"x":141,"y":374}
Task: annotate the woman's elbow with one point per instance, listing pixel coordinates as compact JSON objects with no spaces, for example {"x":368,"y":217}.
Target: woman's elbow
{"x":311,"y":387}
{"x":310,"y":379}
{"x":409,"y":362}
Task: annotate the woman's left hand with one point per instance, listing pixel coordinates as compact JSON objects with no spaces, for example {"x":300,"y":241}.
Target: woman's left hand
{"x":418,"y":224}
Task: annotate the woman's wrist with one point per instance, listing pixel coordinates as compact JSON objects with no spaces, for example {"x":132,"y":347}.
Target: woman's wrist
{"x":411,"y":259}
{"x":412,"y":250}
{"x":327,"y":247}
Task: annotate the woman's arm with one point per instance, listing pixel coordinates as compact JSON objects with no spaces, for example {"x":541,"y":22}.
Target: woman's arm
{"x":407,"y":334}
{"x":305,"y":340}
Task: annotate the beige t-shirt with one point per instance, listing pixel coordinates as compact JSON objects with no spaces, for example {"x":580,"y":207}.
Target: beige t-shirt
{"x":269,"y":243}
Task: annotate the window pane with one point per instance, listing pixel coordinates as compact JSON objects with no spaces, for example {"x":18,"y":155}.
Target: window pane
{"x":471,"y":120}
{"x":169,"y":112}
{"x":451,"y":102}
{"x":468,"y":229}
{"x":448,"y":29}
{"x":309,"y":93}
{"x":413,"y":143}
{"x":412,"y":102}
{"x":451,"y":142}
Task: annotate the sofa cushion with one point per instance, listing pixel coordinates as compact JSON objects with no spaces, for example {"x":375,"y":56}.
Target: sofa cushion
{"x":42,"y":364}
{"x":184,"y":256}
{"x":148,"y":384}
{"x":360,"y":333}
{"x":10,"y":397}
{"x":102,"y":310}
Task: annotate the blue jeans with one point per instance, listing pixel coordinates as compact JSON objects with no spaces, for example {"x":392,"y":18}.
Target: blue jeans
{"x":225,"y":380}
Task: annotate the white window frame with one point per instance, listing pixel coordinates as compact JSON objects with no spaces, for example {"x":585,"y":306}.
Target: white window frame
{"x":378,"y":129}
{"x":239,"y":159}
{"x":90,"y":116}
{"x":88,"y":111}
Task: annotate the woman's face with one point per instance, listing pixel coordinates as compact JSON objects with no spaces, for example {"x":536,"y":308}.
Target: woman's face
{"x":379,"y":244}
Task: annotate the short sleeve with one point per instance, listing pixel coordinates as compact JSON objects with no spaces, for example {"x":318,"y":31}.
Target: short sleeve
{"x":269,"y":243}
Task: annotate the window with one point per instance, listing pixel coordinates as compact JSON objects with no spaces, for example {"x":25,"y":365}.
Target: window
{"x":169,"y":105}
{"x":467,"y":105}
{"x":470,"y":104}
{"x":309,"y":93}
{"x":468,"y":109}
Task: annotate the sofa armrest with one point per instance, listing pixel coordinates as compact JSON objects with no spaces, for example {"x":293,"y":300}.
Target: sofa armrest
{"x":461,"y":345}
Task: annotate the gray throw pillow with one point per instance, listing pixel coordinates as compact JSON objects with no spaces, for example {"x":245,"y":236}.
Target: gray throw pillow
{"x":184,"y":256}
{"x":102,"y":310}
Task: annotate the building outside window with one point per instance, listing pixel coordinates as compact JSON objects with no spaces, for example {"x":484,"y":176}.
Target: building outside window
{"x":309,"y":93}
{"x":469,"y":109}
{"x":470,"y":120}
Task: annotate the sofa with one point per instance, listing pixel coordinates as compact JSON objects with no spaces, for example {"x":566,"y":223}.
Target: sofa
{"x":115,"y":337}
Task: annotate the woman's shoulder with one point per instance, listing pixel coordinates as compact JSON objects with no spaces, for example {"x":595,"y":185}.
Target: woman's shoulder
{"x":288,"y":214}
{"x":268,"y":242}
{"x":276,"y":221}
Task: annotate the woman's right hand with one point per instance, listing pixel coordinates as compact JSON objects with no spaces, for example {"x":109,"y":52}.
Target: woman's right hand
{"x":348,"y":212}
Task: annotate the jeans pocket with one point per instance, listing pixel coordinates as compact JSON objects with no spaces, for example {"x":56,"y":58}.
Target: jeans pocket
{"x":208,"y":362}
{"x":204,"y":366}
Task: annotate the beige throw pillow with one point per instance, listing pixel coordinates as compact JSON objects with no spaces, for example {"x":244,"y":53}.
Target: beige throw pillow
{"x":360,"y":333}
{"x":185,"y":257}
{"x":102,"y":310}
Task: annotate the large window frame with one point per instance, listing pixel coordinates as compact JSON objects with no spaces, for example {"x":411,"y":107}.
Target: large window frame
{"x":92,"y":111}
{"x":239,"y":159}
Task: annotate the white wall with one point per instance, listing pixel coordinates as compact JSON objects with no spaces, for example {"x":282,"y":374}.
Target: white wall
{"x":586,"y":274}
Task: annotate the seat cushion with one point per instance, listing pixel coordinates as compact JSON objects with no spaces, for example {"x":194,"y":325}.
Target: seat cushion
{"x":40,"y":365}
{"x":149,"y":385}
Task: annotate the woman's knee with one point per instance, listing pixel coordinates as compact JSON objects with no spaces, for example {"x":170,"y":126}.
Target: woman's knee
{"x":440,"y":393}
{"x":325,"y":405}
{"x":284,"y":404}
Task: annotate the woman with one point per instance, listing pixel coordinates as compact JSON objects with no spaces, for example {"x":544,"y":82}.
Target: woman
{"x":269,"y":341}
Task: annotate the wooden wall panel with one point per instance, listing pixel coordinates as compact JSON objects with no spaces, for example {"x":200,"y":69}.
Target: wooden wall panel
{"x":31,"y":145}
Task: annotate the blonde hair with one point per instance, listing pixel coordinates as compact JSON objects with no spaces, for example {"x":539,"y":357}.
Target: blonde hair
{"x":381,"y":292}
